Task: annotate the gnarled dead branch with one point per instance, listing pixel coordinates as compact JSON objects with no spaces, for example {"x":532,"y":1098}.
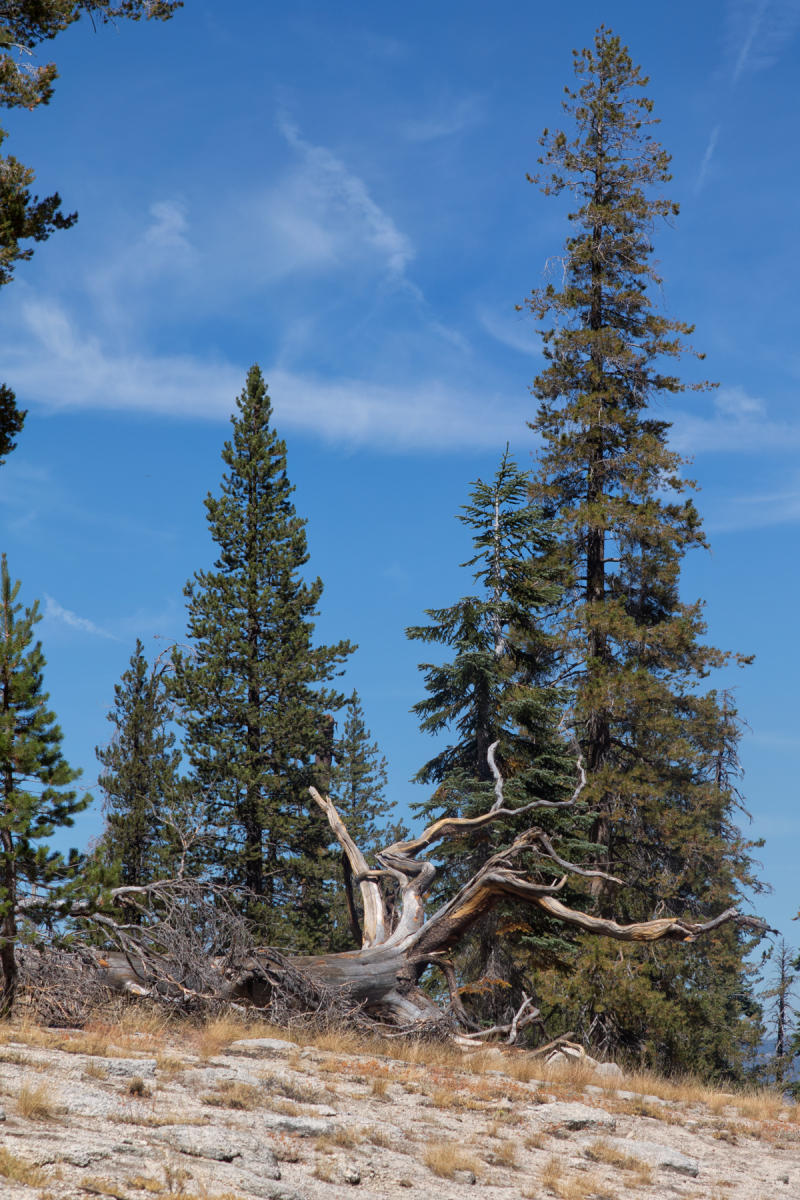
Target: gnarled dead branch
{"x":186,"y":944}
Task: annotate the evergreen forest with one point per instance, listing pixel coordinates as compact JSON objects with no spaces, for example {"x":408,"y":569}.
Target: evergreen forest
{"x":574,"y":675}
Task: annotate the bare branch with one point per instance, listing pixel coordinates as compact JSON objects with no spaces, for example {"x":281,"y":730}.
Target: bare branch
{"x":375,"y":930}
{"x":541,"y":837}
{"x":522,"y":1017}
{"x":498,"y":778}
{"x":664,"y":928}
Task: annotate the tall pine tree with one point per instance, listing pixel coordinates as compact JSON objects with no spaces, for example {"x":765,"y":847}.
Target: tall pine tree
{"x":253,"y":692}
{"x":650,"y":738}
{"x":140,"y":780}
{"x":35,"y":798}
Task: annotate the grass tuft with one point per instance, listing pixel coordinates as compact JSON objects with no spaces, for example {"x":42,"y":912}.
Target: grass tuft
{"x":445,"y":1158}
{"x":571,"y":1187}
{"x":602,"y":1151}
{"x":17,"y":1170}
{"x":34,"y":1102}
{"x":242,"y":1096}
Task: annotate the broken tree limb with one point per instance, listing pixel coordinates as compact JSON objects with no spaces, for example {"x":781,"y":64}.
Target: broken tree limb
{"x":374,"y":911}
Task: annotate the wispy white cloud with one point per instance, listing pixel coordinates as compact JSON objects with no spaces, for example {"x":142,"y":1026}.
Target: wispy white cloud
{"x":739,"y":423}
{"x":54,"y":364}
{"x":758,"y":510}
{"x":53,"y":611}
{"x":705,"y":165}
{"x":757,"y":14}
{"x":330,"y":185}
{"x":161,"y":251}
{"x":428,"y":414}
{"x":759,"y":32}
{"x":61,"y":368}
{"x":515,"y":331}
{"x":446,"y":121}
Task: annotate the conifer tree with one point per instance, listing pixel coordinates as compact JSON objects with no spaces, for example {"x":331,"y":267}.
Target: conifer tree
{"x":781,"y":1011}
{"x":12,"y":418}
{"x":358,"y":782}
{"x":650,"y":739}
{"x":253,"y":694}
{"x":497,"y":688}
{"x":35,"y":799}
{"x":140,"y":776}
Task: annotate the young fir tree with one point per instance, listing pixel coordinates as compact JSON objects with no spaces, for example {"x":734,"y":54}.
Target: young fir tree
{"x":35,"y":799}
{"x":252,"y":692}
{"x":781,"y":1012}
{"x":496,"y":689}
{"x":358,"y":789}
{"x":140,"y":777}
{"x":625,"y":522}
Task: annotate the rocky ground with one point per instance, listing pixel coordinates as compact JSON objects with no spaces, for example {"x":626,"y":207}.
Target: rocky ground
{"x":218,"y":1116}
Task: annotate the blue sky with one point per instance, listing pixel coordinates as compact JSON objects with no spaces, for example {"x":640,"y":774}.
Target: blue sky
{"x":339,"y":193}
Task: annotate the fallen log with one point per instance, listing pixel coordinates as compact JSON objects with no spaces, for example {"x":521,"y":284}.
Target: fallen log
{"x":176,"y":958}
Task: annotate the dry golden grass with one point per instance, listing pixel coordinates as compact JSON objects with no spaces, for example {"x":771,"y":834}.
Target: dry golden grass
{"x":151,"y":1121}
{"x":445,"y":1098}
{"x":602,"y":1151}
{"x":571,"y":1187}
{"x":173,"y":1187}
{"x":146,"y":1183}
{"x":18,"y":1059}
{"x":22,"y":1031}
{"x":285,"y":1148}
{"x":575,"y":1073}
{"x":242,"y":1096}
{"x":96,"y":1186}
{"x":445,"y":1158}
{"x":342,"y":1138}
{"x":278,"y":1104}
{"x":379,"y":1088}
{"x":524,"y":1068}
{"x":535,"y":1141}
{"x":35,"y":1102}
{"x":169,"y":1065}
{"x":95,"y":1070}
{"x":325,"y":1170}
{"x":552,"y":1173}
{"x":762,"y":1105}
{"x":335,"y":1042}
{"x":640,"y":1107}
{"x":19,"y":1171}
{"x":216,"y":1035}
{"x":93,"y":1042}
{"x":303,"y":1093}
{"x":379,"y":1137}
{"x":143,"y":1023}
{"x":504,"y":1154}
